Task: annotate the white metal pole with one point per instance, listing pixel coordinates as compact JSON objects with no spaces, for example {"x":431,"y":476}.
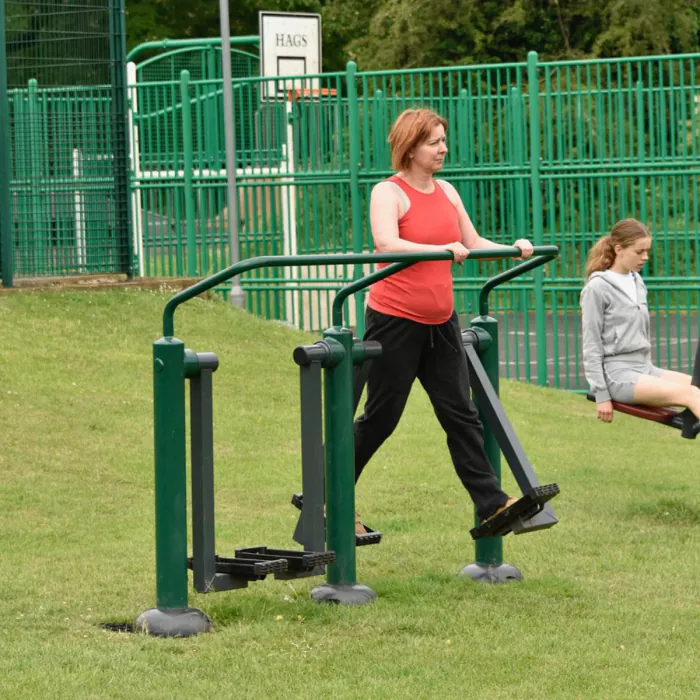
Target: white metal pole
{"x":289,"y":222}
{"x":237,"y":298}
{"x":79,"y":206}
{"x":134,"y":141}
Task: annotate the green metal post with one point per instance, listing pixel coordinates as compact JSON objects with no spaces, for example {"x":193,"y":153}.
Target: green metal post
{"x":188,"y":172}
{"x":341,"y":586}
{"x":6,"y":261}
{"x":537,"y":233}
{"x":489,"y":550}
{"x":355,"y":198}
{"x":170,"y":485}
{"x":120,"y":130}
{"x":639,"y":94}
{"x":340,"y":477}
{"x":516,"y":111}
{"x":37,"y":176}
{"x":171,"y":617}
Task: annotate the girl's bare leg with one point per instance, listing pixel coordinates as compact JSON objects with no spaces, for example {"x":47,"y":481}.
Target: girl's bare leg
{"x":676,"y":377}
{"x":675,"y":390}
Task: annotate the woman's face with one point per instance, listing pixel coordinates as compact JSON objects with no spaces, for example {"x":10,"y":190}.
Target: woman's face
{"x":633,"y":257}
{"x":430,"y":155}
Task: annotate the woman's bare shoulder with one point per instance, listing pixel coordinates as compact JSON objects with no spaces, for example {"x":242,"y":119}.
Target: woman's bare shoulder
{"x":451,"y":192}
{"x":384,"y":188}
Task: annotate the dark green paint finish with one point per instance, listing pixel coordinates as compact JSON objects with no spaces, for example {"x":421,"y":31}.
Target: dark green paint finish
{"x":489,"y":551}
{"x":340,"y":462}
{"x":170,"y":473}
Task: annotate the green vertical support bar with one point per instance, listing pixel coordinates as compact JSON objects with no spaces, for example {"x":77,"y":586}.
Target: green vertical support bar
{"x":120,"y":132}
{"x":516,"y":110}
{"x":489,"y":550}
{"x":212,"y":146}
{"x":170,"y":474}
{"x":6,"y":242}
{"x":340,"y":476}
{"x":36,"y":178}
{"x":341,"y":586}
{"x":188,"y":173}
{"x":536,"y":194}
{"x":639,"y":94}
{"x":171,"y":617}
{"x":356,"y":203}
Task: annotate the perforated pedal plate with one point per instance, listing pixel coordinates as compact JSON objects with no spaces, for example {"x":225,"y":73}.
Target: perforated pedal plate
{"x":526,"y":507}
{"x":372,"y":536}
{"x":296,"y":560}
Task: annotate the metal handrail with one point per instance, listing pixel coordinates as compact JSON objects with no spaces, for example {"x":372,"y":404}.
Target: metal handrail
{"x":402,"y":260}
{"x":547,"y":253}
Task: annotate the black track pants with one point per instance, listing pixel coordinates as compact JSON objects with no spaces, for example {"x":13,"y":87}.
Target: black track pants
{"x":434,"y":355}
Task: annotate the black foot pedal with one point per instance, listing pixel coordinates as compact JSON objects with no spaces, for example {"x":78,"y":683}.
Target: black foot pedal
{"x":372,"y":536}
{"x":691,"y":425}
{"x":247,"y":569}
{"x":299,"y":563}
{"x":523,"y":509}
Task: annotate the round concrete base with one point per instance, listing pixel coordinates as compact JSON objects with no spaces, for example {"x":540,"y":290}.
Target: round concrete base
{"x":503,"y":573}
{"x":173,"y":623}
{"x":343,"y":595}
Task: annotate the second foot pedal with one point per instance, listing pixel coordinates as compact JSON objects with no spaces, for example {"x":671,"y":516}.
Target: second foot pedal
{"x":526,"y":507}
{"x":372,"y":536}
{"x":299,"y":563}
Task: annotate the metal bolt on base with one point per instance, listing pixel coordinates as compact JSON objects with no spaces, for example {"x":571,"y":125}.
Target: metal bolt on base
{"x":343,"y":595}
{"x":173,"y":623}
{"x":491,"y":573}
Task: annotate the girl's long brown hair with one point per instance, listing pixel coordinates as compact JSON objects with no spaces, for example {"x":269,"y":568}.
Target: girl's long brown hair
{"x":624,"y":233}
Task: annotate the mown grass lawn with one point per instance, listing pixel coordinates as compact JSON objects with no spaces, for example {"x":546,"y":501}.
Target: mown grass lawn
{"x":608,"y":607}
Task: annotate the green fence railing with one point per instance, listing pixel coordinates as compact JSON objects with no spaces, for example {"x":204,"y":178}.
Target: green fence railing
{"x":553,"y":151}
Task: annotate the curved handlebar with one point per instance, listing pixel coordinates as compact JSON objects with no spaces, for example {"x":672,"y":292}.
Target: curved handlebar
{"x":405,"y":259}
{"x":544,"y":254}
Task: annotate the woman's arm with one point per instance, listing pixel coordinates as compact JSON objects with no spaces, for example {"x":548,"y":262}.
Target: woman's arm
{"x":384,"y":214}
{"x":470,"y":236}
{"x":593,"y":309}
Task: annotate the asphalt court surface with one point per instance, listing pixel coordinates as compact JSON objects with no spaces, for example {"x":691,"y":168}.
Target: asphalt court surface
{"x":669,"y":333}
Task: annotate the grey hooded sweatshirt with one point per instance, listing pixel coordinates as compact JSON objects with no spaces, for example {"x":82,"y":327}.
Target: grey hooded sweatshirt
{"x":613,"y":327}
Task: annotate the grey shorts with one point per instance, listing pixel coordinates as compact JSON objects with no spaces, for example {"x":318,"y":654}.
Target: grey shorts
{"x":622,"y":374}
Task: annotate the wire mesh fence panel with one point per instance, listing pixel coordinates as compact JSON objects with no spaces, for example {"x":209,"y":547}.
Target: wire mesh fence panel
{"x":69,"y":180}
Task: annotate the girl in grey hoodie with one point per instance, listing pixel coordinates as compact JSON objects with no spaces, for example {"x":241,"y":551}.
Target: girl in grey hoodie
{"x":616,"y":346}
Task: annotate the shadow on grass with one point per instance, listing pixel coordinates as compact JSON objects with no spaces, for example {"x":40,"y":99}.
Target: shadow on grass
{"x":119,"y":627}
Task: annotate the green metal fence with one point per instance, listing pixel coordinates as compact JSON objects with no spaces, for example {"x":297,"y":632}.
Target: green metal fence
{"x":553,"y":151}
{"x":556,"y":151}
{"x":64,"y":130}
{"x":621,"y":138}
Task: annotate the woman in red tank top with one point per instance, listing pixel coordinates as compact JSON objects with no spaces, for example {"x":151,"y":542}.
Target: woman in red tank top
{"x":412,"y":315}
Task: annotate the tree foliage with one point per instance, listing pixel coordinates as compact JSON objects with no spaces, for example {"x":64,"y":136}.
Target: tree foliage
{"x":383,"y":34}
{"x":149,"y":20}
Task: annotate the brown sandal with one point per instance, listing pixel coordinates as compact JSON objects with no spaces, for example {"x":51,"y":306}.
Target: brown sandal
{"x":511,"y":501}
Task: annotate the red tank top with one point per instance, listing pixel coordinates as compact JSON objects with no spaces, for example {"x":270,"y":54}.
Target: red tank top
{"x":421,"y":292}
